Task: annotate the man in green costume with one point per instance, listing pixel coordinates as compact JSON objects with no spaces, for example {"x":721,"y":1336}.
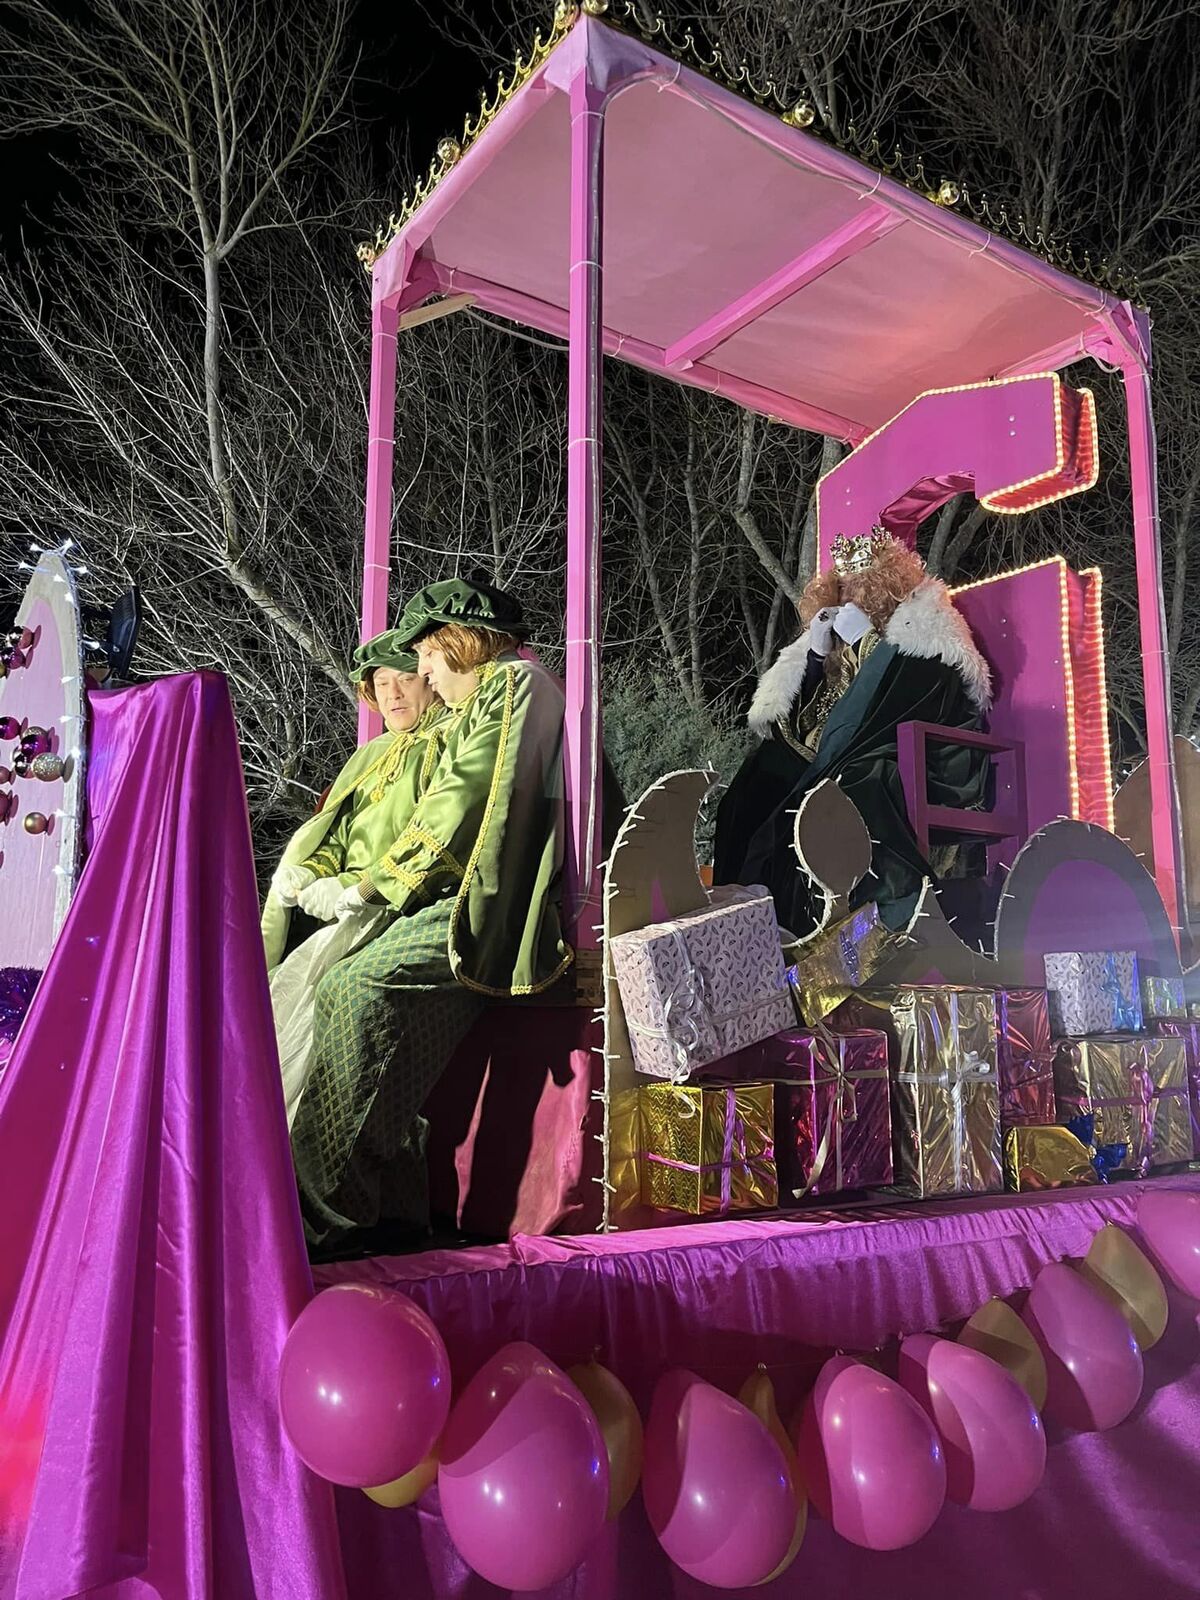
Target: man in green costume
{"x":369,"y":803}
{"x":472,"y":885}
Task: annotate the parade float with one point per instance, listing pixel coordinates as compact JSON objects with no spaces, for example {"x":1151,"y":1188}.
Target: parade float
{"x":991,"y":1308}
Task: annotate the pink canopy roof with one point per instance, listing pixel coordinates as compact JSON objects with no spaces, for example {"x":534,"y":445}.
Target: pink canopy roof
{"x":740,"y":254}
{"x":727,"y":249}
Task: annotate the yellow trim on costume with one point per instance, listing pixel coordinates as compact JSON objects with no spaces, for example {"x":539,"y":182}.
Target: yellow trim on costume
{"x":423,"y":836}
{"x":414,"y":882}
{"x":477,"y":851}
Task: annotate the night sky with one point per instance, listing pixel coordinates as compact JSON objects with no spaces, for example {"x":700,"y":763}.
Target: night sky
{"x":413,"y":85}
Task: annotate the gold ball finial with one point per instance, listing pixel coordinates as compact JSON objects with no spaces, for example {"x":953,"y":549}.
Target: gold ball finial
{"x":947,"y":193}
{"x":802,"y":115}
{"x":35,"y":822}
{"x":448,"y":150}
{"x":594,"y":8}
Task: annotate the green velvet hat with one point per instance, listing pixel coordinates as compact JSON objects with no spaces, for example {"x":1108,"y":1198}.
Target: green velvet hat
{"x":469,"y":601}
{"x":384,"y":650}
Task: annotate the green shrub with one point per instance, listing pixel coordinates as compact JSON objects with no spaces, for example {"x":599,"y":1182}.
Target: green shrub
{"x":651,"y":728}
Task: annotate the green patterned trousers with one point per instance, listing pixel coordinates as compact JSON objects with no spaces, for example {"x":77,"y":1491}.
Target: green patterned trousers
{"x":387,"y":1020}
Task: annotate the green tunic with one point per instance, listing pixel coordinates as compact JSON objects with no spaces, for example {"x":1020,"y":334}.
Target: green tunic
{"x":488,"y":833}
{"x":474,"y":877}
{"x":367,"y":809}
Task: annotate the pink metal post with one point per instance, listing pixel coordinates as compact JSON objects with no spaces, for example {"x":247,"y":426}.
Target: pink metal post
{"x":1156,"y":669}
{"x":582,"y":738}
{"x":381,"y":447}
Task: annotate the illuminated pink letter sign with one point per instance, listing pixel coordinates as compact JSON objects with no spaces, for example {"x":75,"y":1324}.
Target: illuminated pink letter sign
{"x":1015,"y":444}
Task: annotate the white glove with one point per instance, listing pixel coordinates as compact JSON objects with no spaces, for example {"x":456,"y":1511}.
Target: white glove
{"x":352,"y":904}
{"x":820,"y":630}
{"x":321,"y":899}
{"x":288,"y":883}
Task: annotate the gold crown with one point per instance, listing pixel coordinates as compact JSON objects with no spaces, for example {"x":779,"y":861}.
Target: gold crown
{"x":856,"y":554}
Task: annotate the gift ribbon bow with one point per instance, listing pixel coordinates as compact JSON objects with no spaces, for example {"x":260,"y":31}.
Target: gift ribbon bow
{"x":1105,"y":1158}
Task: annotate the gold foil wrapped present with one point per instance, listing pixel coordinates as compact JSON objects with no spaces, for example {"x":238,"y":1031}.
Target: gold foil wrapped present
{"x":839,"y":960}
{"x":708,"y":1150}
{"x":1171,"y":1112}
{"x":1162,"y":997}
{"x":1108,"y":1078}
{"x":1045,"y":1158}
{"x":947,"y":1094}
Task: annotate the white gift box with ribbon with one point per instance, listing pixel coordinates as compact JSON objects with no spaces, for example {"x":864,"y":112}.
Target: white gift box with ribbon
{"x":703,"y":985}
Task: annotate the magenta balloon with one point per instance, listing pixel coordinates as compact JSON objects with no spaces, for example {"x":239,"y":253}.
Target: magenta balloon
{"x":716,"y":1486}
{"x":364,"y":1384}
{"x":1170,"y":1221}
{"x":1093,"y":1364}
{"x":870,"y":1457}
{"x":992,"y":1437}
{"x":523,"y":1480}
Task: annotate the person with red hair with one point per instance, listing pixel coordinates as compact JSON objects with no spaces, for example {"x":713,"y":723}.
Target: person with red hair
{"x":882,"y":644}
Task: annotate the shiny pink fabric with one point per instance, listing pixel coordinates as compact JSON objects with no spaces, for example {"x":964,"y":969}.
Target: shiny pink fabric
{"x":152,"y":1258}
{"x":1114,"y":1519}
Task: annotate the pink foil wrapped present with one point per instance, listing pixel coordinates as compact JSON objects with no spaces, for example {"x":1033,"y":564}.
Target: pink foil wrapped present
{"x":703,"y":985}
{"x":833,"y":1114}
{"x":1024,"y":1058}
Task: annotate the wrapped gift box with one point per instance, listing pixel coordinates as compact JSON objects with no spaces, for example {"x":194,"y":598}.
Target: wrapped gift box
{"x":833,"y":1119}
{"x":1093,"y":991}
{"x":1189,"y":1032}
{"x":1108,"y":1079}
{"x":1024,"y":1058}
{"x":1162,"y":998}
{"x":704,"y":985}
{"x":838,"y":961}
{"x":708,"y":1149}
{"x":1046,"y":1158}
{"x":1171,"y":1140}
{"x":945,"y":1087}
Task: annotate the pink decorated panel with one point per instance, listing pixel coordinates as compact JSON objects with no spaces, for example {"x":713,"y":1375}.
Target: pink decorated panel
{"x":39,"y":830}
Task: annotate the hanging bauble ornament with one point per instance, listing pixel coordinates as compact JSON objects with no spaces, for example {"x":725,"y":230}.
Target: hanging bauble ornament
{"x":3,"y":667}
{"x":10,"y":728}
{"x":6,"y":775}
{"x":35,"y":740}
{"x":48,"y":767}
{"x":594,"y":8}
{"x":12,"y":657}
{"x":802,"y":115}
{"x":21,"y":764}
{"x":18,"y":638}
{"x":35,"y":822}
{"x":448,"y":150}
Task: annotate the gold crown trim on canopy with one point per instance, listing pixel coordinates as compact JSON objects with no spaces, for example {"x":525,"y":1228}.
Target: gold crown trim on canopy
{"x":797,"y":111}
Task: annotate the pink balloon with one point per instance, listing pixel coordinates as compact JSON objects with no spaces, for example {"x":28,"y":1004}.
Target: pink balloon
{"x":870,"y":1457}
{"x":1093,"y":1364}
{"x":1170,"y":1221}
{"x":717,"y":1489}
{"x":523,"y":1479}
{"x":364,"y":1384}
{"x":992,"y":1436}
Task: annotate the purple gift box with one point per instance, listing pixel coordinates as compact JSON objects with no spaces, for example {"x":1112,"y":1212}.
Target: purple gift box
{"x":1024,"y":1058}
{"x":833,"y":1117}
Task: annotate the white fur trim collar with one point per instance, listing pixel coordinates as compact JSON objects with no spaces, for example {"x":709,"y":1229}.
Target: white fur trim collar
{"x":924,"y":624}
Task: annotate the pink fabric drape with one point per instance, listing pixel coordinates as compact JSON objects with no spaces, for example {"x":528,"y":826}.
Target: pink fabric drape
{"x":152,"y":1259}
{"x":1114,"y":1519}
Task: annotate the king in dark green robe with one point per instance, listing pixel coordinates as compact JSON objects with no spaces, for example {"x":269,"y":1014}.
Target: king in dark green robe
{"x":837,"y":718}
